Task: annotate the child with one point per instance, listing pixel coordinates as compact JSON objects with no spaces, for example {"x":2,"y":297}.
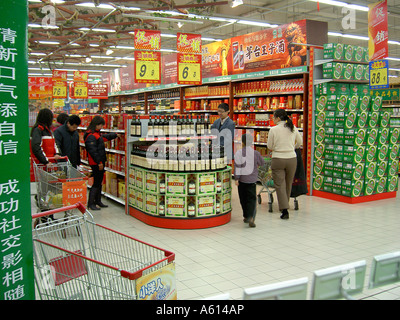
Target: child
{"x":247,"y":161}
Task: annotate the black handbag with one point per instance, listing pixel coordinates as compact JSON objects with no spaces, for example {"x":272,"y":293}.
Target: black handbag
{"x":299,"y":185}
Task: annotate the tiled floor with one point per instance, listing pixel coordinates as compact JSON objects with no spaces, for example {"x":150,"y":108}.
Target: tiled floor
{"x":226,"y":259}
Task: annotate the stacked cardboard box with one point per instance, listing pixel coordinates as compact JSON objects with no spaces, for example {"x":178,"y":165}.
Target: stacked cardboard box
{"x":356,"y":153}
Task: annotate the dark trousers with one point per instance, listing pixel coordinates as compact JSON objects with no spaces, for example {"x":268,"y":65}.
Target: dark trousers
{"x":95,"y":190}
{"x":248,"y":199}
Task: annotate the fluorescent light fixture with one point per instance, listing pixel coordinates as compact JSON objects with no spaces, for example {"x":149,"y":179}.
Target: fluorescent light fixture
{"x":103,"y":30}
{"x":257,"y":23}
{"x":236,"y":3}
{"x":394,"y":42}
{"x":180,"y":24}
{"x":88,"y":59}
{"x":37,"y":54}
{"x":34,"y":25}
{"x":166,"y":19}
{"x":48,"y":42}
{"x":165,"y":35}
{"x":210,"y":39}
{"x":92,"y":5}
{"x":355,"y":37}
{"x":394,"y":59}
{"x":394,"y":69}
{"x":74,"y":55}
{"x":342,"y":4}
{"x":168,"y":50}
{"x":39,"y":69}
{"x":109,"y":51}
{"x":94,"y":45}
{"x":124,"y":47}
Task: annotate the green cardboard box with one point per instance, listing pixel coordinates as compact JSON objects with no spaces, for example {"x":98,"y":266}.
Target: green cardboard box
{"x":373,"y":136}
{"x":342,"y":103}
{"x":352,"y":188}
{"x":332,"y":70}
{"x":366,"y":55}
{"x":373,"y":119}
{"x":365,"y":103}
{"x":353,"y":170}
{"x":383,"y":135}
{"x":392,"y":183}
{"x":393,"y":168}
{"x":376,"y":103}
{"x":354,"y":103}
{"x":382,"y":169}
{"x":370,"y":187}
{"x":359,"y":89}
{"x":328,"y":155}
{"x":371,"y":153}
{"x":358,"y":72}
{"x":356,"y":156}
{"x":383,"y":152}
{"x":348,"y":52}
{"x":320,"y":120}
{"x":370,"y":170}
{"x":348,"y":71}
{"x":318,"y":181}
{"x":394,"y":137}
{"x":330,"y":119}
{"x":327,"y":184}
{"x":358,"y":54}
{"x":366,"y":73}
{"x":320,"y":135}
{"x":321,"y":103}
{"x":394,"y":152}
{"x":319,"y":151}
{"x":362,"y":120}
{"x":351,"y":120}
{"x":319,"y":165}
{"x":332,"y":88}
{"x":384,"y":119}
{"x":381,"y":185}
{"x":333,"y":51}
{"x":355,"y":136}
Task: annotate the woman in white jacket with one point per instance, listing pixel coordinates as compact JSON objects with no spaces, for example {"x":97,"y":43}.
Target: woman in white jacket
{"x":283,"y":139}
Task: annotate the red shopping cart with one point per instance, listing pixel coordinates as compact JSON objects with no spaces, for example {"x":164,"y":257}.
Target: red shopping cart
{"x":97,"y":263}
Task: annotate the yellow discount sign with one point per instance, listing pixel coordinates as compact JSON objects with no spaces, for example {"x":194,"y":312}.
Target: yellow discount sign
{"x":59,"y":92}
{"x":189,"y":69}
{"x":147,"y":67}
{"x":79,"y":90}
{"x":378,"y":74}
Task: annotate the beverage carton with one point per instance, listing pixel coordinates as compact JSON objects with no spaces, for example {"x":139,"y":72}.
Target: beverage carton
{"x":381,"y":185}
{"x":333,"y":70}
{"x":383,"y":152}
{"x":358,"y":72}
{"x":333,"y":51}
{"x":330,"y":119}
{"x":394,"y":137}
{"x":351,"y":120}
{"x":373,"y":119}
{"x":355,"y":157}
{"x":384,"y":119}
{"x":355,"y":136}
{"x":373,"y":136}
{"x":383,"y":135}
{"x":327,"y":184}
{"x":321,"y":103}
{"x":319,"y":166}
{"x":319,"y":151}
{"x":376,"y":104}
{"x":366,"y":73}
{"x":328,"y":155}
{"x":393,"y":168}
{"x":364,"y":103}
{"x":320,"y":119}
{"x":358,"y":54}
{"x":366,"y":55}
{"x":333,"y":88}
{"x":353,"y":104}
{"x":371,"y":153}
{"x":353,"y":170}
{"x":318,"y":182}
{"x":370,"y":187}
{"x":332,"y":102}
{"x":352,"y":188}
{"x":337,"y":186}
{"x":382,"y":169}
{"x":349,"y":52}
{"x":320,"y":135}
{"x":394,"y":152}
{"x":348,"y":71}
{"x":340,"y":117}
{"x":362,"y":120}
{"x":342,"y":103}
{"x":370,"y":170}
{"x":392,"y":183}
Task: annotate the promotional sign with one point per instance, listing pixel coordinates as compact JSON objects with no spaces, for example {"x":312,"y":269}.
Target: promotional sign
{"x":60,"y":75}
{"x":189,"y":69}
{"x":267,"y":49}
{"x":16,"y":250}
{"x":147,"y":67}
{"x":97,"y":91}
{"x":74,"y":192}
{"x":378,"y":31}
{"x":147,"y":39}
{"x":40,"y":87}
{"x":158,"y":285}
{"x":81,"y":76}
{"x":59,"y":89}
{"x":379,"y":74}
{"x":188,"y":43}
{"x":386,"y":94}
{"x":78,"y":90}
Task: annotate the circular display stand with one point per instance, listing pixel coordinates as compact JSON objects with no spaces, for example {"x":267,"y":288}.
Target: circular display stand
{"x":181,"y":223}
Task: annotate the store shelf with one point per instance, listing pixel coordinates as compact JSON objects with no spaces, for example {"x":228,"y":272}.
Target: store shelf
{"x":259,"y":127}
{"x":207,"y":97}
{"x":316,"y":82}
{"x":201,"y":111}
{"x":267,"y":111}
{"x":321,"y":62}
{"x":353,"y":200}
{"x":155,"y":139}
{"x":249,"y":95}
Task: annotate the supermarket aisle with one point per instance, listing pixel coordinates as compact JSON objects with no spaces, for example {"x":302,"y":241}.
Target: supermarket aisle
{"x":231,"y":257}
{"x":228,"y":258}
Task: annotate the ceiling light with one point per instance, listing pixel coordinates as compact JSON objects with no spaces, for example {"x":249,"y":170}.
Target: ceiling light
{"x":124,"y":47}
{"x":92,"y":5}
{"x":94,"y":45}
{"x":236,"y":3}
{"x":48,"y":42}
{"x":180,"y":25}
{"x":88,"y":59}
{"x":167,"y":35}
{"x":37,"y":54}
{"x":108,"y":52}
{"x":166,"y":19}
{"x":342,"y":4}
{"x":257,"y":23}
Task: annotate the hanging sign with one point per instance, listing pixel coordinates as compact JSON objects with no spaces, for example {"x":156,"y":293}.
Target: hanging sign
{"x":147,"y":39}
{"x":59,"y":89}
{"x":189,"y":69}
{"x":378,"y":31}
{"x":147,"y":67}
{"x":97,"y":91}
{"x":188,"y":42}
{"x":60,"y":75}
{"x":379,"y":74}
{"x":78,"y":90}
{"x":81,"y":75}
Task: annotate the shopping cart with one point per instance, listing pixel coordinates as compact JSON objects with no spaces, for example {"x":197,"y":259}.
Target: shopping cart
{"x":265,"y":177}
{"x":59,"y":184}
{"x":97,"y":263}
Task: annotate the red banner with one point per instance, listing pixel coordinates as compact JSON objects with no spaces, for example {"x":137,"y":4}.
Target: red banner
{"x":378,"y":31}
{"x":263,"y":50}
{"x":81,"y":75}
{"x":97,"y":91}
{"x":188,"y":42}
{"x":147,"y":39}
{"x":60,"y":75}
{"x":40,"y":87}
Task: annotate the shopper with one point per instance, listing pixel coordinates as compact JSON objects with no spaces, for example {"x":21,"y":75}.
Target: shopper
{"x":247,"y":161}
{"x":94,"y":143}
{"x":67,"y":139}
{"x":61,"y":118}
{"x":43,"y":146}
{"x":283,"y":139}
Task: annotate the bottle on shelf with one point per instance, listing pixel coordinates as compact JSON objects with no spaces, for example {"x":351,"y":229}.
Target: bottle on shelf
{"x":138,"y":127}
{"x":150,"y":128}
{"x":191,"y":209}
{"x":161,"y":207}
{"x":192,"y":186}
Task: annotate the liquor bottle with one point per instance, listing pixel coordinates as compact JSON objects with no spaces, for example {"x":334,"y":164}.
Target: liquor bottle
{"x":133,"y":127}
{"x":179,"y":126}
{"x":138,"y":127}
{"x":218,"y":185}
{"x":181,"y":158}
{"x":162,"y":185}
{"x":166,"y":126}
{"x":192,"y":185}
{"x":161,"y":207}
{"x":241,"y":57}
{"x":191,"y":209}
{"x":217,"y":206}
{"x":192,"y":130}
{"x":150,"y":127}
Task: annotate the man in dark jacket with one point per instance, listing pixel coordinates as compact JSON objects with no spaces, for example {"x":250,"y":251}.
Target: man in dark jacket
{"x":67,"y":139}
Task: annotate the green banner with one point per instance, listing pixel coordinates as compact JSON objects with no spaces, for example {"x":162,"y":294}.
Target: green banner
{"x":16,"y":258}
{"x":386,"y":94}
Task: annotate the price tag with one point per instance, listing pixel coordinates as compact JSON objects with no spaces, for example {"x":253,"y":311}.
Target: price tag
{"x":189,"y":69}
{"x":147,"y":71}
{"x":80,"y":92}
{"x":378,"y":74}
{"x":60,"y":92}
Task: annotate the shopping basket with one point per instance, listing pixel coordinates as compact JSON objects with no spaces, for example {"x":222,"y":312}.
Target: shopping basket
{"x":265,"y":178}
{"x":97,"y":263}
{"x":59,"y":184}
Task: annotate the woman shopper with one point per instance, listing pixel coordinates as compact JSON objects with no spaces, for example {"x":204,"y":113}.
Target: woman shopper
{"x":283,"y":139}
{"x":94,"y":143}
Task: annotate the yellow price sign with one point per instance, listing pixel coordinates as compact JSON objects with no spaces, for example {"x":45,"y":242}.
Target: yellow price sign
{"x":378,"y":74}
{"x":189,"y":72}
{"x":80,"y":92}
{"x":60,"y":92}
{"x":147,"y":71}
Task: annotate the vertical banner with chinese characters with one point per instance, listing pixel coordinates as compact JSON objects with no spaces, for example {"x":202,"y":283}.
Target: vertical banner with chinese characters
{"x":16,"y":256}
{"x":60,"y":84}
{"x":378,"y":31}
{"x":189,"y":58}
{"x":147,"y":63}
{"x":79,"y":87}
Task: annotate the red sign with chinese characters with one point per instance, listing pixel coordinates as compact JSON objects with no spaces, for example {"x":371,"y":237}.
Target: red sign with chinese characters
{"x":188,"y":42}
{"x":378,"y":31}
{"x":97,"y":91}
{"x":147,"y":39}
{"x":81,"y":75}
{"x":60,"y":75}
{"x":40,"y":87}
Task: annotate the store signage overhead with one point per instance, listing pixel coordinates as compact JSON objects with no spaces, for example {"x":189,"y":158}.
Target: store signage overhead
{"x":97,"y":91}
{"x":189,"y":58}
{"x":147,"y":39}
{"x":147,"y":67}
{"x":387,"y":94}
{"x":379,"y":74}
{"x":378,"y":30}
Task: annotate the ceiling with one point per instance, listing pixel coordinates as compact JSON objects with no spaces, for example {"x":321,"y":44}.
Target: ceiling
{"x":102,"y":30}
